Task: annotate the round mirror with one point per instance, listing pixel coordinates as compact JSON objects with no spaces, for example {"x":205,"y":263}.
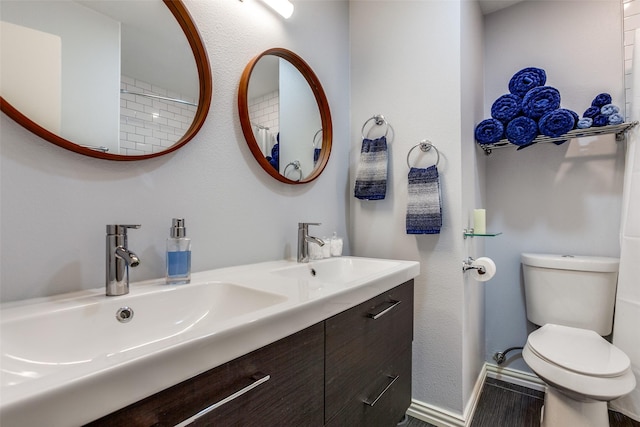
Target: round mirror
{"x":118,"y":80}
{"x":285,"y":116}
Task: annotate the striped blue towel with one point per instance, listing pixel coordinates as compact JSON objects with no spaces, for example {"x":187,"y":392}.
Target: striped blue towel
{"x":424,"y":207}
{"x":371,"y":177}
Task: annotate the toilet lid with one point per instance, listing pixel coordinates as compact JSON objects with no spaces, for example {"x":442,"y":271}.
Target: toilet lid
{"x":579,"y":350}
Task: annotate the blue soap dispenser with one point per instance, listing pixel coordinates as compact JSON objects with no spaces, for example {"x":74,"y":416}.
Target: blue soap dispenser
{"x":178,"y":254}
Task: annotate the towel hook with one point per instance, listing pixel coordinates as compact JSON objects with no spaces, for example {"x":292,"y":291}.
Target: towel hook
{"x":425,"y":145}
{"x":379,"y":121}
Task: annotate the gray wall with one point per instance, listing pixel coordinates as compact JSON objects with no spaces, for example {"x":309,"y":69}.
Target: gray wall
{"x":548,"y":198}
{"x":407,"y":64}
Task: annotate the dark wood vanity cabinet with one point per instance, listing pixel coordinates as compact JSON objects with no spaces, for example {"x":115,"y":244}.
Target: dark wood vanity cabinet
{"x":353,"y":369}
{"x":368,"y":361}
{"x":292,"y":395}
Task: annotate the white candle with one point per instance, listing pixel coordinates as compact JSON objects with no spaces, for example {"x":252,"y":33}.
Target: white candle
{"x":479,"y":221}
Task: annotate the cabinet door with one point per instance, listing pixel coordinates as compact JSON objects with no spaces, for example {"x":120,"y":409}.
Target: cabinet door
{"x":281,"y":384}
{"x":363,"y":346}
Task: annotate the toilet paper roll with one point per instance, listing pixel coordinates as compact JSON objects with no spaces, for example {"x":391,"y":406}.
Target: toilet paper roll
{"x":489,"y":269}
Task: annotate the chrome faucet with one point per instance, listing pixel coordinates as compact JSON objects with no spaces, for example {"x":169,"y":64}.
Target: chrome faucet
{"x":119,"y":259}
{"x":304,"y":239}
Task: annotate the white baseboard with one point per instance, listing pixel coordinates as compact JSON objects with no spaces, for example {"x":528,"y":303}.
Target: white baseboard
{"x":514,"y":376}
{"x":444,"y":418}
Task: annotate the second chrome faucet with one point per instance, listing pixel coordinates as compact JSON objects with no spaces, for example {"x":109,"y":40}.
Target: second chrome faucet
{"x":118,"y":260}
{"x":304,"y":239}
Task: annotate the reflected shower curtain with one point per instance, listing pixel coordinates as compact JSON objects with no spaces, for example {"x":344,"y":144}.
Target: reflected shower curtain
{"x":627,"y":319}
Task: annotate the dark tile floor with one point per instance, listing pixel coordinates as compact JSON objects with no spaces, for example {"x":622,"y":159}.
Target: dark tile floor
{"x":503,"y":404}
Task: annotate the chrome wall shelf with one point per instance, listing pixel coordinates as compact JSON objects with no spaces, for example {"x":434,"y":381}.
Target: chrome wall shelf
{"x":618,"y":130}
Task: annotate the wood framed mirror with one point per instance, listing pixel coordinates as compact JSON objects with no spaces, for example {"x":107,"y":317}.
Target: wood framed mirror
{"x":285,"y":116}
{"x":136,"y":42}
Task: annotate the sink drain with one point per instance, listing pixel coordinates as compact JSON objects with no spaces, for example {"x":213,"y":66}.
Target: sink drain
{"x":124,"y":314}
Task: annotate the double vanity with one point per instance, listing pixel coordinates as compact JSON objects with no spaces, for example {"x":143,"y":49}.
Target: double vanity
{"x":320,"y":343}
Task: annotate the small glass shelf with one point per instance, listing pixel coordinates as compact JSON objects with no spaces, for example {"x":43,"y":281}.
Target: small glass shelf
{"x":468,"y":232}
{"x":618,"y":130}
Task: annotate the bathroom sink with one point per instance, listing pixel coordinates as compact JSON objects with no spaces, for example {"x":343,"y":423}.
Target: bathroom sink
{"x":338,"y":271}
{"x":107,"y":330}
{"x":79,"y":356}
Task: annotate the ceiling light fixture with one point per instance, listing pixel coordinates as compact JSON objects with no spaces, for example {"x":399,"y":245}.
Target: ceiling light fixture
{"x":283,"y":7}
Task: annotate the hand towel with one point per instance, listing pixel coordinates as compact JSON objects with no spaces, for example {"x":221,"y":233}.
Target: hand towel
{"x":601,"y":100}
{"x":616,"y":119}
{"x":522,"y":131}
{"x":539,"y":101}
{"x":371,"y":177}
{"x":600,"y":120}
{"x":556,"y":123}
{"x":609,"y":109}
{"x":585,"y":123}
{"x":591,"y":112}
{"x":506,"y":108}
{"x":489,"y":131}
{"x":424,"y":201}
{"x":526,"y":79}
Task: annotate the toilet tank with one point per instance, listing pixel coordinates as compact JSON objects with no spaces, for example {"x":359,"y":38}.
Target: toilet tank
{"x":578,"y":291}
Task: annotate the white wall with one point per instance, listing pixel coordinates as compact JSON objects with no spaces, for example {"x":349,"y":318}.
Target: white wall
{"x":407,"y":65}
{"x":55,"y":203}
{"x":548,"y":198}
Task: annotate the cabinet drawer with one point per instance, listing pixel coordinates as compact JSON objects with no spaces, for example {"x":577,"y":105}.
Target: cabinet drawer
{"x":364,"y":340}
{"x":393,"y":397}
{"x":292,"y":394}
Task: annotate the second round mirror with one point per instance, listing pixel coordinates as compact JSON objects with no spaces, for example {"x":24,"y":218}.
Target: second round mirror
{"x":285,"y":116}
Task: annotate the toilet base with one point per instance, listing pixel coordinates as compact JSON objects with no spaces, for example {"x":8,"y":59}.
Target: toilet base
{"x":561,"y":410}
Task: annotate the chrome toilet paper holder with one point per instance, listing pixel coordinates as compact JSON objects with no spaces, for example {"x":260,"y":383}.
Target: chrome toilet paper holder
{"x":468,"y":264}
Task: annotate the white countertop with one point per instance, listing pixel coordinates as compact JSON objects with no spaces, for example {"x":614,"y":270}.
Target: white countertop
{"x":63,"y":394}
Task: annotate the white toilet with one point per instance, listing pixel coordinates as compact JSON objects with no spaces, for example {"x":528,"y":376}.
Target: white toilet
{"x":572,"y":298}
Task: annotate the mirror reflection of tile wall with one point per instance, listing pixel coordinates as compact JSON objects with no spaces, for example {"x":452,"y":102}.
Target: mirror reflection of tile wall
{"x":151,"y":125}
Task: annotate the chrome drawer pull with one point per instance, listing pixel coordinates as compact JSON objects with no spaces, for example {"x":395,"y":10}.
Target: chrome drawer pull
{"x":264,"y":378}
{"x":385,"y":311}
{"x":393,"y":380}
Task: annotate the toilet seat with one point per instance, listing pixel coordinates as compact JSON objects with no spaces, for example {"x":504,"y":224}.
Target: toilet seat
{"x":554,"y":353}
{"x":578,"y":350}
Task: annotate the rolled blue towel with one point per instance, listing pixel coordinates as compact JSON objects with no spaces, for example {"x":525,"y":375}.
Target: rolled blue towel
{"x":600,"y":120}
{"x":371,"y":175}
{"x":609,"y":109}
{"x":506,"y":108}
{"x":591,"y":112}
{"x":601,"y":100}
{"x":424,"y":201}
{"x":575,"y":115}
{"x":522,"y":130}
{"x":526,"y":79}
{"x":556,"y":123}
{"x":585,"y":123}
{"x":489,"y":131}
{"x":616,"y":119}
{"x":539,"y":101}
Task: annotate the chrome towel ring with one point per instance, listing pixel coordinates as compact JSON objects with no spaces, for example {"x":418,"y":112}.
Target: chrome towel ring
{"x":425,"y":146}
{"x":296,"y":167}
{"x":316,"y":140}
{"x":379,"y":121}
